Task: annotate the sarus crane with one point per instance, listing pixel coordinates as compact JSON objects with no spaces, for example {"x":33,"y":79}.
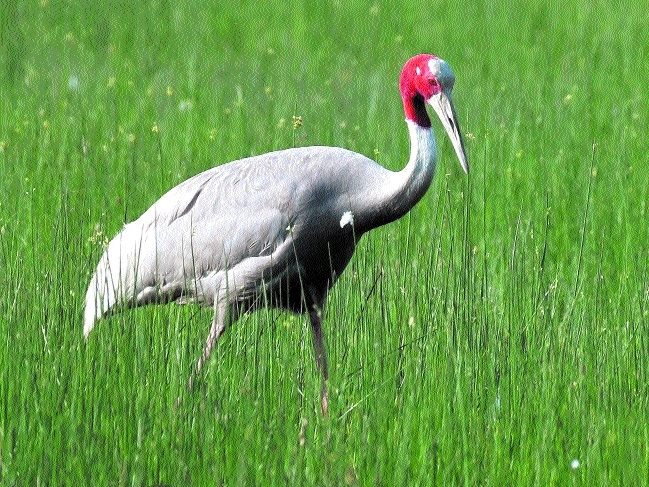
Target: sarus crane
{"x":276,"y":229}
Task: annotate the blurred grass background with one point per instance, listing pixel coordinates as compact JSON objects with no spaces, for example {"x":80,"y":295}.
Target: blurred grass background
{"x":496,"y":335}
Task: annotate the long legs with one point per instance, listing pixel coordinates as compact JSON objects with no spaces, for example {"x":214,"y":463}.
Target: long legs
{"x":217,"y":329}
{"x":315,"y":315}
{"x":221,"y":316}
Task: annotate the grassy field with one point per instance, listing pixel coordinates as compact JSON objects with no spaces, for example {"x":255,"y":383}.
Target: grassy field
{"x":496,"y":335}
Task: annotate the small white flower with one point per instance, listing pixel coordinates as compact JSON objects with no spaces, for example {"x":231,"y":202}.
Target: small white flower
{"x":575,"y":464}
{"x":185,"y":105}
{"x":73,"y":83}
{"x":347,"y":219}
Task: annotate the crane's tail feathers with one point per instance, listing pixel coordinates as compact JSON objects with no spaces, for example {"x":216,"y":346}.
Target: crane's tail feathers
{"x":114,"y":280}
{"x":101,"y":295}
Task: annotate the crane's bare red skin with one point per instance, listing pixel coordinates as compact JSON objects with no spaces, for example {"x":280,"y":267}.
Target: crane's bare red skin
{"x":417,"y":84}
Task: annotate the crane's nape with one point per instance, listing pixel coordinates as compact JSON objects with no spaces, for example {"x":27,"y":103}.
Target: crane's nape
{"x":275,"y":230}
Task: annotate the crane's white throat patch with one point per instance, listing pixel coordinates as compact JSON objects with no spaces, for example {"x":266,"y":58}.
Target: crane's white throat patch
{"x":347,"y":219}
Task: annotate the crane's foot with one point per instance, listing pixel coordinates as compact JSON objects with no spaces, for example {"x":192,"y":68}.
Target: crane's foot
{"x":190,"y":382}
{"x":325,"y":401}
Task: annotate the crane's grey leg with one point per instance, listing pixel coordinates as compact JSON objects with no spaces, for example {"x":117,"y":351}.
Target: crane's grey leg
{"x":315,"y":315}
{"x":217,"y":329}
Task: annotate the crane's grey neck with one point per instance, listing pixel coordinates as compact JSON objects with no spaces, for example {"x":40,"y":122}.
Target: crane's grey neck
{"x":423,"y":154}
{"x":403,"y":189}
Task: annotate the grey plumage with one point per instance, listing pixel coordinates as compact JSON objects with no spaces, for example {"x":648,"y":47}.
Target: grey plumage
{"x":181,"y":247}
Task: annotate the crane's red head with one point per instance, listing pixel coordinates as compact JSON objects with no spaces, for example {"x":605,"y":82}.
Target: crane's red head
{"x":427,"y":79}
{"x":423,"y":77}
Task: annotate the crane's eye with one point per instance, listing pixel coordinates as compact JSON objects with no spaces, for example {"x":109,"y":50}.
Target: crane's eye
{"x":433,"y":82}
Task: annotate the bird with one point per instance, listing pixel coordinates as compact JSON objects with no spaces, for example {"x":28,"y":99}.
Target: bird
{"x":273,"y":230}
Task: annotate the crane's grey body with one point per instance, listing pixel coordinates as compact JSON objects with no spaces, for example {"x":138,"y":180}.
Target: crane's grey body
{"x":276,"y":229}
{"x":213,"y":235}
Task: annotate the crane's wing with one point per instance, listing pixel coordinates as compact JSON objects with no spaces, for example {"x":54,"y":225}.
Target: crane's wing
{"x":182,"y":246}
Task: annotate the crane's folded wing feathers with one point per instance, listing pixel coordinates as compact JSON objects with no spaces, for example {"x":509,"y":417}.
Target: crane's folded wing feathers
{"x":216,"y":220}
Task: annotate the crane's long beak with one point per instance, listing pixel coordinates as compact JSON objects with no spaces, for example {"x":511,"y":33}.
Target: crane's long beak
{"x":443,"y":106}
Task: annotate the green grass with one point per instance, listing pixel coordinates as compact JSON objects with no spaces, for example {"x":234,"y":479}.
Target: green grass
{"x":492,"y":336}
